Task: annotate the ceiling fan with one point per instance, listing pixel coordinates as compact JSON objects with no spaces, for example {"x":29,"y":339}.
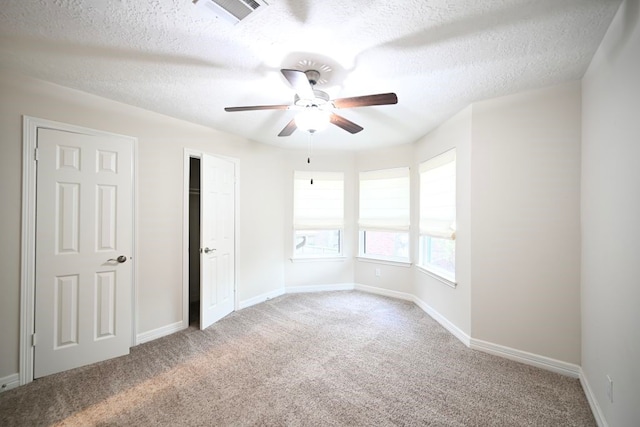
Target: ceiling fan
{"x":316,"y":106}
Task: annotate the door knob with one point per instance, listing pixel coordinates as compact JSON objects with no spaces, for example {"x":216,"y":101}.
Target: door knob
{"x":120,"y":259}
{"x":208,"y":251}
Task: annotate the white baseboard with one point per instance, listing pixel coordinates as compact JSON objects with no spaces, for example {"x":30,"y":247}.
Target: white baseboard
{"x":554,"y":365}
{"x":9,"y":382}
{"x":260,"y":298}
{"x":593,"y":402}
{"x":319,"y":288}
{"x":159,"y":332}
{"x":384,"y":292}
{"x":446,"y":323}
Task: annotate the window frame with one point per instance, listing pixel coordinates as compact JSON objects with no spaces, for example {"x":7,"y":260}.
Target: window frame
{"x":374,"y":257}
{"x":308,"y":257}
{"x":445,"y":276}
{"x":318,"y":176}
{"x":433,"y":270}
{"x":402,"y":227}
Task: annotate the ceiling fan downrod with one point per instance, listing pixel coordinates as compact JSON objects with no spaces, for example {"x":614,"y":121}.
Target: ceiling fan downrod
{"x":313,"y":76}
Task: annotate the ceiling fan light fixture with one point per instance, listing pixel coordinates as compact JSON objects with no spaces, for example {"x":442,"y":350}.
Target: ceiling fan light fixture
{"x":312,"y":120}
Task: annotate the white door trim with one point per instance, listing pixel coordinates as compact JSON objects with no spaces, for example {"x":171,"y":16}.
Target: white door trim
{"x":189,"y":153}
{"x":30,"y":127}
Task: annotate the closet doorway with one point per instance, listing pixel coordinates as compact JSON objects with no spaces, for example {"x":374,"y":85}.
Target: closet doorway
{"x":194,"y":242}
{"x":209,"y":268}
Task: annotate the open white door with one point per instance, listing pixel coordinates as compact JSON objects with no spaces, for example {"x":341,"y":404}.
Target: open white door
{"x":217,"y":254}
{"x":84,"y":243}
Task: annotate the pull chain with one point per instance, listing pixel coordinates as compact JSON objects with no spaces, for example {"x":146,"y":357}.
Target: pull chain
{"x":309,"y":151}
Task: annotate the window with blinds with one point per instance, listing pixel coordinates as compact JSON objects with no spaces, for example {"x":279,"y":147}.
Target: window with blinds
{"x":384,"y":214}
{"x":438,"y":215}
{"x":318,"y":213}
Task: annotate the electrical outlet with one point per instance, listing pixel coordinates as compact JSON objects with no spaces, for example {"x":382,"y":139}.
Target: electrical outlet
{"x":377,"y":272}
{"x":610,"y":388}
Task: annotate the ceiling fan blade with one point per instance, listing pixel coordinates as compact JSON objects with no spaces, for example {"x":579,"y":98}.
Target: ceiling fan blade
{"x":299,"y":81}
{"x":289,"y":128}
{"x":367,"y":100}
{"x":257,"y":107}
{"x":345,"y":124}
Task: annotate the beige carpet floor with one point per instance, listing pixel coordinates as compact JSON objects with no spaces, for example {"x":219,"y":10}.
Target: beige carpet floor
{"x":324,"y":359}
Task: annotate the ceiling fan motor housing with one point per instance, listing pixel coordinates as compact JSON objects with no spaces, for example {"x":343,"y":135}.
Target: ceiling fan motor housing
{"x":320,"y":99}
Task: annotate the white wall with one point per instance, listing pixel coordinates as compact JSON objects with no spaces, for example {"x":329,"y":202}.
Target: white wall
{"x":262,"y":206}
{"x":452,"y":303}
{"x":10,"y":191}
{"x":611,"y":220}
{"x":525,"y":219}
{"x":161,"y":145}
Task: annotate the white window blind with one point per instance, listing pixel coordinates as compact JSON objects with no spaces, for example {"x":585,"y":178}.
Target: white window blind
{"x":438,"y":196}
{"x":384,"y":200}
{"x":319,"y":205}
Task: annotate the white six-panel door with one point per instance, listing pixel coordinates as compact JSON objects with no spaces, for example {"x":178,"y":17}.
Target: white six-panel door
{"x":217,"y":254}
{"x":84,"y":218}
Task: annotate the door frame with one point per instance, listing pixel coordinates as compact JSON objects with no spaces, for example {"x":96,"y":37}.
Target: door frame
{"x":193,"y":153}
{"x":30,"y":126}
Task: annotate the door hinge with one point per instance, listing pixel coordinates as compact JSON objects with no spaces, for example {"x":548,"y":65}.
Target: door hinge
{"x":33,"y":340}
{"x":35,"y":154}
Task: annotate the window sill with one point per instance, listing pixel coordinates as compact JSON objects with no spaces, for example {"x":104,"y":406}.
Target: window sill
{"x":316,"y":259}
{"x":438,"y":277}
{"x":405,"y":264}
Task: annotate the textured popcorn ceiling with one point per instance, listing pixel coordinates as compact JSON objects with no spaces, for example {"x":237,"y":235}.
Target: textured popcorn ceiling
{"x":437,"y":55}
